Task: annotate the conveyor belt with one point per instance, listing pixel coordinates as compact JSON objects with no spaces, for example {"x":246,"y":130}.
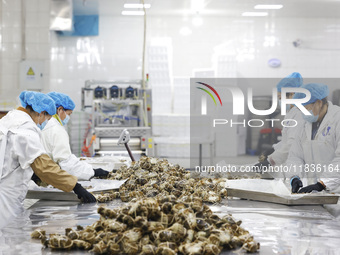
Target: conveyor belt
{"x":280,"y":229}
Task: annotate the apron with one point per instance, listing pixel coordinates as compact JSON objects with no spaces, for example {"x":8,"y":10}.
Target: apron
{"x":13,"y":187}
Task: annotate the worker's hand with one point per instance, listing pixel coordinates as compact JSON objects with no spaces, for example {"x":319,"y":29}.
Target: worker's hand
{"x":296,"y":184}
{"x":258,"y":167}
{"x":264,"y":155}
{"x":83,"y":194}
{"x":36,"y":179}
{"x":308,"y":189}
{"x":100,"y":172}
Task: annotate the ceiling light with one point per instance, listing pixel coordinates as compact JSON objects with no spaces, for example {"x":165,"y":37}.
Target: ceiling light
{"x":133,"y":13}
{"x":268,"y":6}
{"x":146,"y":6}
{"x":197,"y":5}
{"x":255,"y":14}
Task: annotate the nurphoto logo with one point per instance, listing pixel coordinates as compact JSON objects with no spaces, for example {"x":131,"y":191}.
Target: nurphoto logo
{"x":238,"y":100}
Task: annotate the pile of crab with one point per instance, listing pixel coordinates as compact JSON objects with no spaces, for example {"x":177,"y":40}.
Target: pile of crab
{"x":150,"y":177}
{"x":150,"y":226}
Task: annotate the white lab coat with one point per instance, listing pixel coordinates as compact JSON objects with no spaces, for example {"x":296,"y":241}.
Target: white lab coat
{"x":21,"y":150}
{"x":56,"y":143}
{"x":323,"y":150}
{"x":280,"y":155}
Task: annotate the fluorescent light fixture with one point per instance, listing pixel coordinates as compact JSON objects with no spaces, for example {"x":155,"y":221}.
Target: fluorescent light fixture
{"x":268,"y":6}
{"x":197,"y":5}
{"x":255,"y":14}
{"x":140,"y":13}
{"x":146,"y":6}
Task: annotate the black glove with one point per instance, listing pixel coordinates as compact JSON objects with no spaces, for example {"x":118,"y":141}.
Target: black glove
{"x":308,"y":189}
{"x":83,"y":194}
{"x":296,"y":184}
{"x":258,"y":167}
{"x":264,"y":155}
{"x":36,"y":179}
{"x":100,"y":172}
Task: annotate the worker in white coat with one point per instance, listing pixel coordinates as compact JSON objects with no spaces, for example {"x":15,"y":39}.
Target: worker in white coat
{"x":56,"y":141}
{"x":281,"y":149}
{"x":20,"y":139}
{"x":317,"y":145}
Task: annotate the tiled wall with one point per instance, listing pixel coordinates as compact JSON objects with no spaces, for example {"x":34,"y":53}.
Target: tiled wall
{"x":230,"y":47}
{"x":116,"y":53}
{"x":10,"y":46}
{"x":37,"y":42}
{"x":227,"y":47}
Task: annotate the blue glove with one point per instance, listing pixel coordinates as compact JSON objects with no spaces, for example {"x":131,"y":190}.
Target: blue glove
{"x":308,"y":189}
{"x":296,"y":184}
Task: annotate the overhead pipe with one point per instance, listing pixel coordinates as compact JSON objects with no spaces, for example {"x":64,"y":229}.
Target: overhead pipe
{"x":145,"y":115}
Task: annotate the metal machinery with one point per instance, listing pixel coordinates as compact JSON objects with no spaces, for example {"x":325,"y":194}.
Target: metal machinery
{"x":115,"y":106}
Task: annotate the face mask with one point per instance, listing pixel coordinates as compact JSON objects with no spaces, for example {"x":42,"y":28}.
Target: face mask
{"x":311,"y":118}
{"x":42,"y":125}
{"x":65,"y":121}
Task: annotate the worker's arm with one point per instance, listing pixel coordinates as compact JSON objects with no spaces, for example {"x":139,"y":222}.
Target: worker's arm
{"x":295,"y":156}
{"x":56,"y":142}
{"x":331,"y":179}
{"x":76,"y":167}
{"x":57,"y":139}
{"x":48,"y":171}
{"x":81,"y":169}
{"x":280,"y":155}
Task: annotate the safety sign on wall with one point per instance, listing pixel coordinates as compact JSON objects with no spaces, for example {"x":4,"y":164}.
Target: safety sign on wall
{"x":31,"y":74}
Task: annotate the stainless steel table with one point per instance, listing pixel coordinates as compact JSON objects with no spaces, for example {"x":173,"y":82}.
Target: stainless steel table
{"x":280,"y":229}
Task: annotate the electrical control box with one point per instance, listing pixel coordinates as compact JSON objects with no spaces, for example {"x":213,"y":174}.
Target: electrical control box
{"x":31,"y":75}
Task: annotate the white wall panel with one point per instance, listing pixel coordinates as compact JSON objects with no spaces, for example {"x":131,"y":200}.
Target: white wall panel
{"x":116,"y":53}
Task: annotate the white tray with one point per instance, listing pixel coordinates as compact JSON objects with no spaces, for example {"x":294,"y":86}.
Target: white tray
{"x":98,"y":186}
{"x":306,"y":199}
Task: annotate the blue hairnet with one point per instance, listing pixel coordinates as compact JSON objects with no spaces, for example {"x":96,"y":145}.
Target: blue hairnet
{"x":318,"y":91}
{"x":293,"y":80}
{"x":38,"y":101}
{"x":63,"y":100}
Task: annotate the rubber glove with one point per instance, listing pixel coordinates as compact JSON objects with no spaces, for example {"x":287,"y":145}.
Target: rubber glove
{"x":100,"y":172}
{"x":308,"y":189}
{"x":83,"y":194}
{"x":296,"y":184}
{"x":37,"y":180}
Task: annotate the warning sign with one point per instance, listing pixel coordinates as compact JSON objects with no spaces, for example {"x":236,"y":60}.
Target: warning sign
{"x":31,"y":75}
{"x":30,"y":71}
